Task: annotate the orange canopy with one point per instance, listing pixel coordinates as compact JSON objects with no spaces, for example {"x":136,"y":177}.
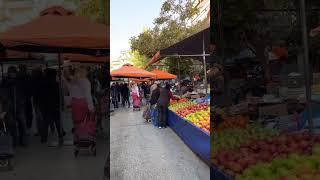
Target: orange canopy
{"x":140,"y":80}
{"x":59,"y":31}
{"x":129,"y":71}
{"x":163,"y":74}
{"x":14,"y":55}
{"x":85,"y":58}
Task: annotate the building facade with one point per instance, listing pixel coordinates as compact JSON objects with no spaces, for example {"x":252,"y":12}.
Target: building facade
{"x":204,"y":11}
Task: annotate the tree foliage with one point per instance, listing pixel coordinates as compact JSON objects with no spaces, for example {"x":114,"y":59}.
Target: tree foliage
{"x":172,"y":25}
{"x":138,"y":59}
{"x":98,"y":10}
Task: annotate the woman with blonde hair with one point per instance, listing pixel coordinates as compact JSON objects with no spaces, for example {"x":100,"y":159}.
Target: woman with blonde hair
{"x":79,"y":88}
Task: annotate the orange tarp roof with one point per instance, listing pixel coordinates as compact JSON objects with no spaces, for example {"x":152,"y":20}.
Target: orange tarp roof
{"x":140,"y":80}
{"x":59,"y":31}
{"x":163,"y":74}
{"x":115,"y":79}
{"x":128,"y":71}
{"x":85,"y":58}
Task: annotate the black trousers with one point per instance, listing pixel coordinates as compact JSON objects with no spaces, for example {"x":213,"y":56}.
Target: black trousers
{"x":50,"y":119}
{"x":29,"y":115}
{"x":163,"y":115}
{"x":125,"y":100}
{"x":17,"y":126}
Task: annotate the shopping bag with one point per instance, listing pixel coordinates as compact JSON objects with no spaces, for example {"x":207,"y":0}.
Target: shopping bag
{"x":147,"y":113}
{"x":6,"y":148}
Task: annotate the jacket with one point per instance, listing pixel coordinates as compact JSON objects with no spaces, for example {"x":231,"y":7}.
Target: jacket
{"x":164,"y":98}
{"x":154,"y":96}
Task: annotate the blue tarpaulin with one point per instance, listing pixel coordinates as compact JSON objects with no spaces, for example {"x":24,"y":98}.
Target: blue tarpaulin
{"x":194,"y":137}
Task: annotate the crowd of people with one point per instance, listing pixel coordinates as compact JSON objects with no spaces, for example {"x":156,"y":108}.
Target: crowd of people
{"x":32,"y":98}
{"x":156,"y":95}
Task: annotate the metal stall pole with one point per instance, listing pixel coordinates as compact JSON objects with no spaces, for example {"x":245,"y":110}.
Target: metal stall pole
{"x":2,"y":71}
{"x":179,"y":76}
{"x":60,"y":93}
{"x":306,"y":64}
{"x":204,"y":65}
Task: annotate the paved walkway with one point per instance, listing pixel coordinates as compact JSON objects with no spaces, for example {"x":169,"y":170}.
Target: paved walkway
{"x":39,"y":162}
{"x":139,"y":151}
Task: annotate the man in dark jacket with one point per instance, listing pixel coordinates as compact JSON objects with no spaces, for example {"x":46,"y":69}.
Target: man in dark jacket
{"x":155,"y":95}
{"x":163,"y":104}
{"x":51,"y":109}
{"x":24,"y":81}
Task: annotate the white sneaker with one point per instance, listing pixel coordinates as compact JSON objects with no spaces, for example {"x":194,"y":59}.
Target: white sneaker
{"x":160,"y":127}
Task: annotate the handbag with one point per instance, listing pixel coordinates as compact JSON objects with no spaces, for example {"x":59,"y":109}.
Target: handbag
{"x":147,"y":113}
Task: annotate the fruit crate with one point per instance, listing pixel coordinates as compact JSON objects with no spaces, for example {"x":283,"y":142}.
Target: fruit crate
{"x":288,"y":123}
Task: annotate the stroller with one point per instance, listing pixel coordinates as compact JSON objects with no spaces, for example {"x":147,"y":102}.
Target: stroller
{"x":136,"y":102}
{"x":6,"y":149}
{"x":85,"y":135}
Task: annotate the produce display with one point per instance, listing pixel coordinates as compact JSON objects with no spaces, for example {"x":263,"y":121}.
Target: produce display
{"x":198,"y":114}
{"x":174,"y":107}
{"x":184,"y":111}
{"x":200,"y":119}
{"x":285,"y":156}
{"x":178,"y":101}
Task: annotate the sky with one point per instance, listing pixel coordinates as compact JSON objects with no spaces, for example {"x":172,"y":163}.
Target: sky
{"x":128,"y":19}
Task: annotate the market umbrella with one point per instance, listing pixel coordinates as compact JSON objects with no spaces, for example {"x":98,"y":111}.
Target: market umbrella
{"x":115,"y":79}
{"x":163,"y":74}
{"x":56,"y":33}
{"x":130,"y":71}
{"x":85,"y":58}
{"x":59,"y":33}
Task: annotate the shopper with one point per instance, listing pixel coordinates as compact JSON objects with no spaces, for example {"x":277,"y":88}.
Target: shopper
{"x":38,"y":97}
{"x":80,"y":92}
{"x":51,"y":109}
{"x":25,"y":84}
{"x":114,"y":95}
{"x":15,"y":94}
{"x":126,"y":94}
{"x":163,"y":104}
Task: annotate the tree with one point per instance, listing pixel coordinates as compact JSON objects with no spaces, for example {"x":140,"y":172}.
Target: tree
{"x":98,"y":10}
{"x":172,"y":25}
{"x":138,"y":59}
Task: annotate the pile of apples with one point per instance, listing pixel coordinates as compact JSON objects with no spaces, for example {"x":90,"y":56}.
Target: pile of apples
{"x":178,"y":101}
{"x":294,"y":167}
{"x":200,"y":119}
{"x":235,"y":161}
{"x":233,"y":122}
{"x":234,"y":138}
{"x":184,"y":111}
{"x":174,"y":107}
